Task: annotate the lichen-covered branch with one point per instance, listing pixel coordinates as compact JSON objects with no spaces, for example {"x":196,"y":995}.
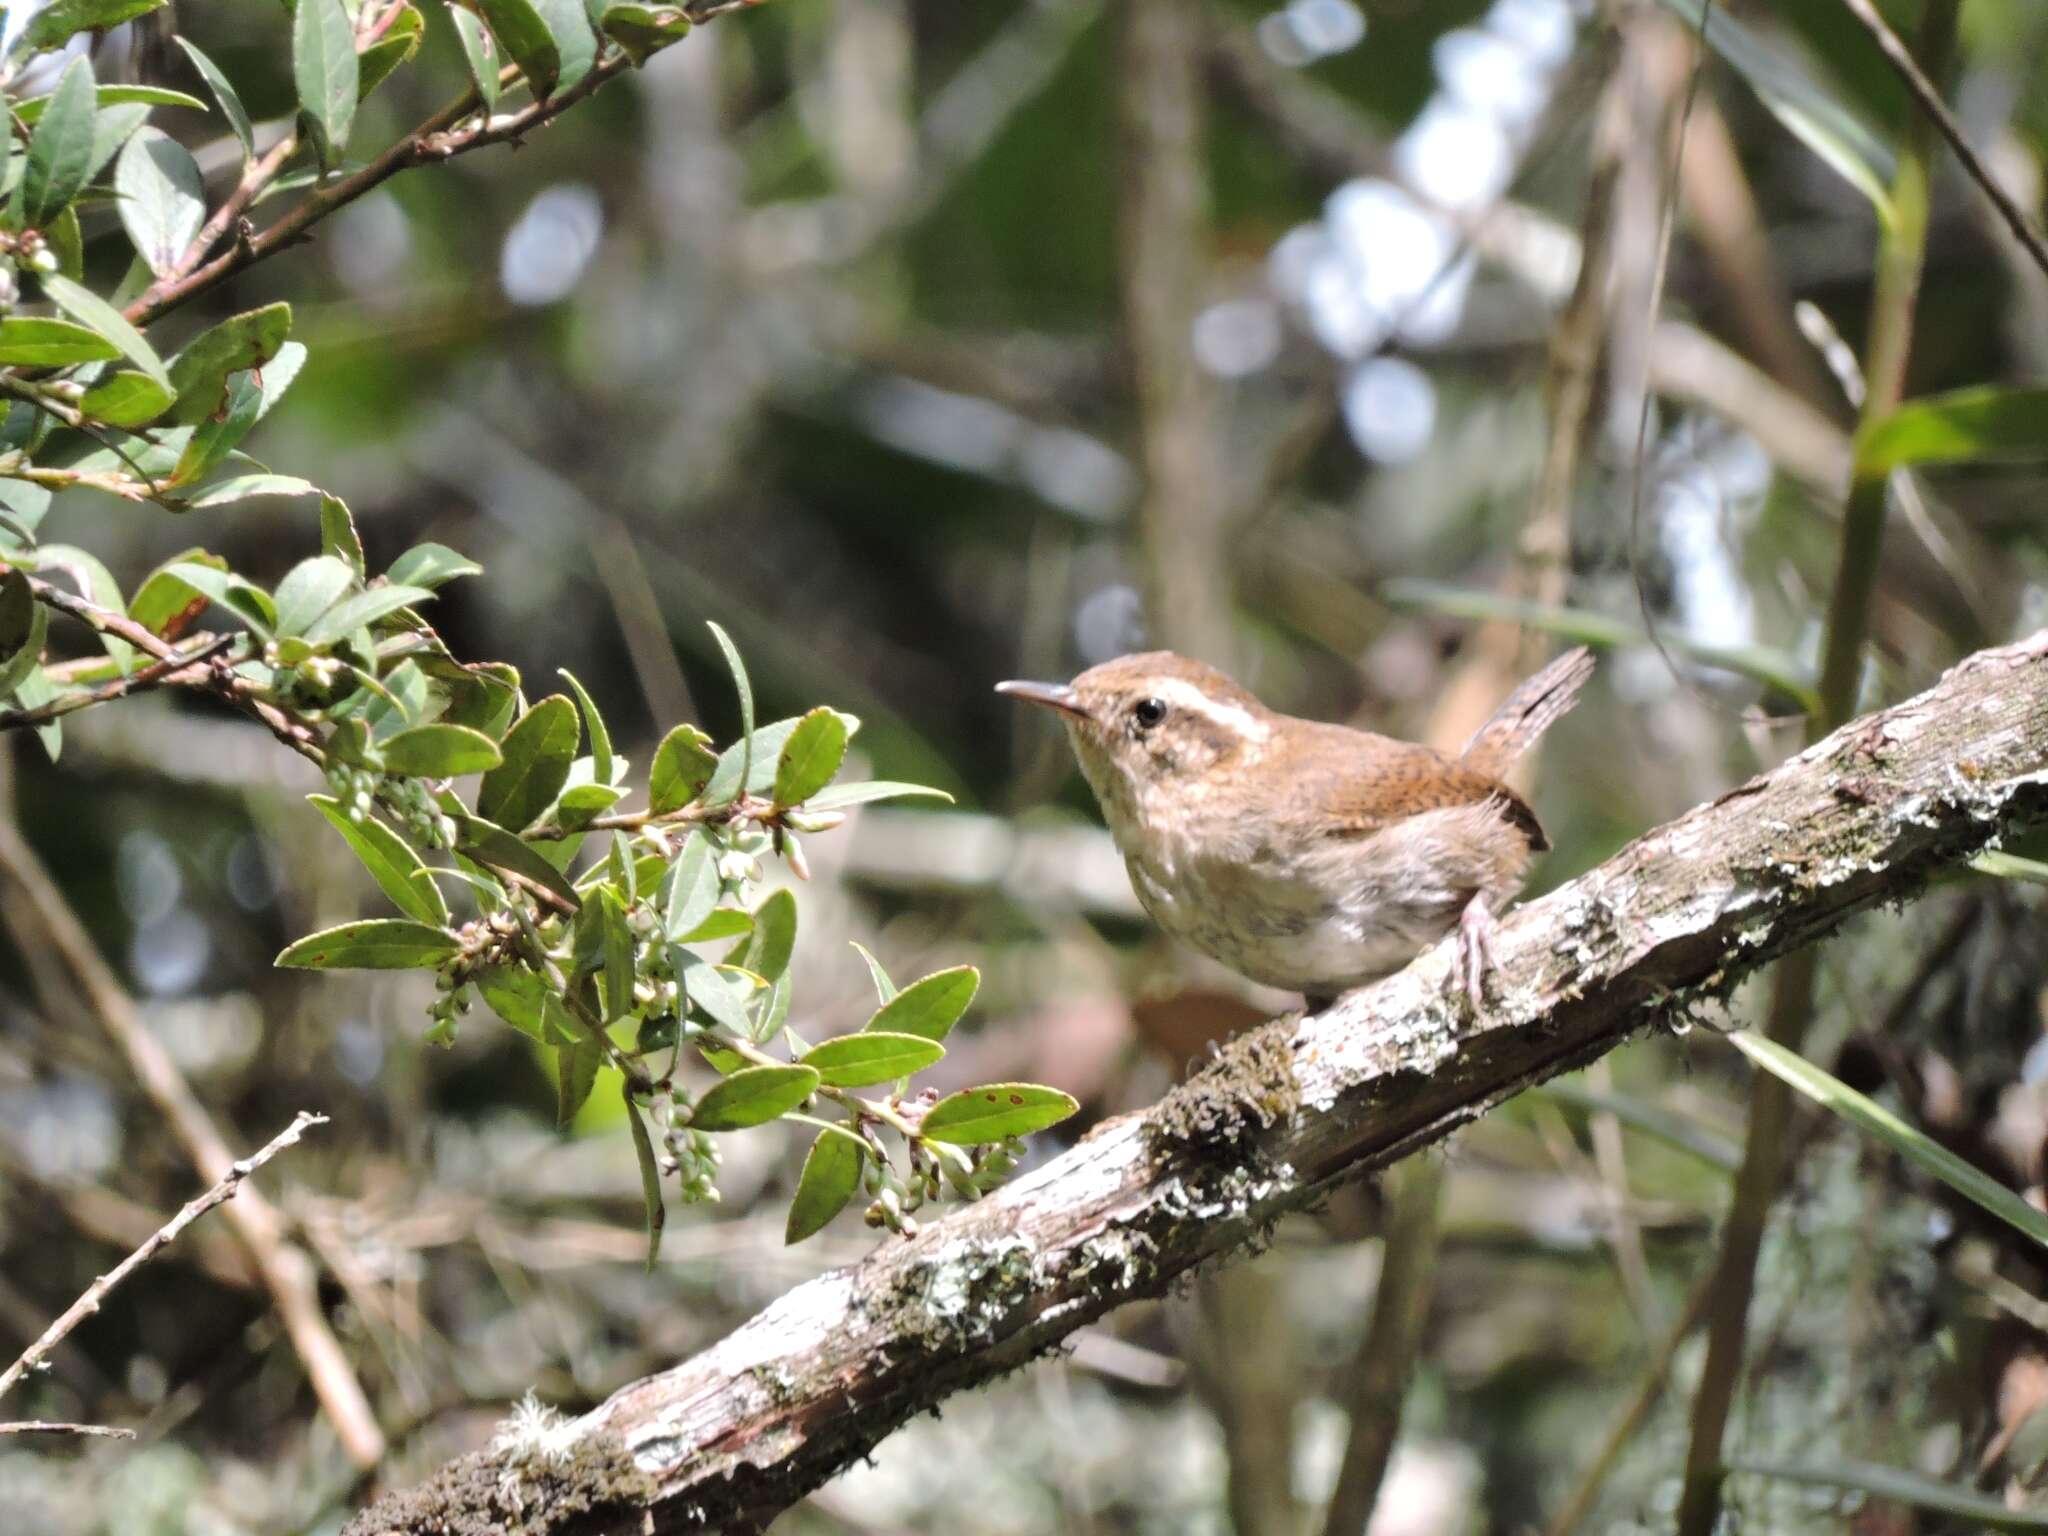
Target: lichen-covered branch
{"x":726,"y":1440}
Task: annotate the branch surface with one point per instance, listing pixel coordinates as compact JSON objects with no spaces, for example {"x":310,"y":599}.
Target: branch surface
{"x":730,"y":1438}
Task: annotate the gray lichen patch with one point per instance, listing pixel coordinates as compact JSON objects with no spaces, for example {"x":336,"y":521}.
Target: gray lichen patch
{"x":588,"y":1485}
{"x":957,"y":1294}
{"x":1249,"y":1086}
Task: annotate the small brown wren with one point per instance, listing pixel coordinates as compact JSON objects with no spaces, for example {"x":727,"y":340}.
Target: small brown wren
{"x":1304,"y":855}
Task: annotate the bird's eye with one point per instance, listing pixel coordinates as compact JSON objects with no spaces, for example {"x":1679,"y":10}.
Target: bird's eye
{"x":1148,"y":712}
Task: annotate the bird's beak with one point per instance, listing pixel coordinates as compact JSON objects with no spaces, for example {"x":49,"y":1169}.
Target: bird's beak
{"x":1053,"y":695}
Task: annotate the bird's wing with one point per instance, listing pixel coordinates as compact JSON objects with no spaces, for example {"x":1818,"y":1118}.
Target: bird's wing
{"x":1384,"y":781}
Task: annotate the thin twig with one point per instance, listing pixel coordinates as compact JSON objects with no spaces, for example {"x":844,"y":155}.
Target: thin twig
{"x":37,"y":914}
{"x":168,"y":671}
{"x":96,"y":1293}
{"x":1901,"y":59}
{"x":437,"y":139}
{"x":58,"y":1427}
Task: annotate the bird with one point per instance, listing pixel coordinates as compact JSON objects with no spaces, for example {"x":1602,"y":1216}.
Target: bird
{"x":1306,"y":855}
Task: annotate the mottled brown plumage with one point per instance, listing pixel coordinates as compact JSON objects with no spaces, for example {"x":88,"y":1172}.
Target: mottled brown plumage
{"x":1302,"y":854}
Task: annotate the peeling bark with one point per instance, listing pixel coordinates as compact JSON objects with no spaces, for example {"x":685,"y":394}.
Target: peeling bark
{"x":730,"y":1438}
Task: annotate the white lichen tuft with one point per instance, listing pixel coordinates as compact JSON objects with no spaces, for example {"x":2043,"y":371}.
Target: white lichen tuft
{"x":536,"y":1433}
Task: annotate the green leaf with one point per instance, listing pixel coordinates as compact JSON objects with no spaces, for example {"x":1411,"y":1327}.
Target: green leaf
{"x":718,"y":992}
{"x":308,"y":590}
{"x":576,"y":45}
{"x":162,"y":198}
{"x":97,"y":584}
{"x":1899,"y":1486}
{"x":126,"y":399}
{"x":811,"y":757}
{"x":1930,"y":1156}
{"x":24,"y":623}
{"x":745,"y":689}
{"x":642,"y":30}
{"x":377,"y":944}
{"x":1806,"y":110}
{"x":690,"y":889}
{"x":774,"y":935}
{"x":31,"y":111}
{"x":488,"y":843}
{"x":683,"y":765}
{"x":35,"y":691}
{"x":480,"y":49}
{"x":1983,"y":425}
{"x":720,"y":923}
{"x":1674,"y":1130}
{"x":231,"y":106}
{"x":753,"y":1096}
{"x":398,"y":45}
{"x":199,"y":374}
{"x":222,"y":493}
{"x":351,"y":614}
{"x":994,"y":1111}
{"x":830,"y":1178}
{"x":593,"y":723}
{"x":89,"y":309}
{"x":112,"y":128}
{"x":338,"y":536}
{"x":55,"y":23}
{"x":60,"y":152}
{"x":931,"y":1006}
{"x":38,"y":343}
{"x":840,"y":796}
{"x":858,"y":1061}
{"x":166,"y":604}
{"x":526,"y":40}
{"x":217,"y":437}
{"x":527,"y":1003}
{"x":67,"y":243}
{"x":328,"y":78}
{"x":398,"y":871}
{"x":538,"y":752}
{"x":884,"y":987}
{"x":439,"y":751}
{"x":580,"y":804}
{"x":575,"y":1075}
{"x":618,"y":953}
{"x":650,"y":1176}
{"x":431,"y":565}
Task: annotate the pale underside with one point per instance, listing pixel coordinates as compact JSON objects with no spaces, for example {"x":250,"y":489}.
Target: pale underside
{"x":1325,"y":914}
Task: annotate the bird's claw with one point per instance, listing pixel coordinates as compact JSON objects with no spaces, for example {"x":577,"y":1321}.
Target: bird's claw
{"x":1472,"y":955}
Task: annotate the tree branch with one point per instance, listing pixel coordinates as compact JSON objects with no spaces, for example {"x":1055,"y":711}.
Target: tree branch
{"x":1672,"y":922}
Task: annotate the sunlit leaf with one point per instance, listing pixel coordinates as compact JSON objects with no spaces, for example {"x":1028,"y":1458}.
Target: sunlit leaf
{"x":161,"y":196}
{"x":1984,"y":425}
{"x":682,"y":766}
{"x":60,"y":151}
{"x":398,"y":871}
{"x":33,"y":342}
{"x":377,"y":944}
{"x":995,"y":1111}
{"x":810,"y":757}
{"x":230,"y":103}
{"x":830,"y":1178}
{"x":327,"y":74}
{"x":857,"y":1061}
{"x":439,"y":751}
{"x":537,"y":753}
{"x":753,"y":1096}
{"x":929,"y":1007}
{"x":840,"y":796}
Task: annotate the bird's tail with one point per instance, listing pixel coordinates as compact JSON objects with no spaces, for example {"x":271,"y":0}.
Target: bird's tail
{"x":1529,"y":711}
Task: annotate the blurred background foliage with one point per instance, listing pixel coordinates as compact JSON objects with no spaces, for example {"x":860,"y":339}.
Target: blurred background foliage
{"x":923,"y":344}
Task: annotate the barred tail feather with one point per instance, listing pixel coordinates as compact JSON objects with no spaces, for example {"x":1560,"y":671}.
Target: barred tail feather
{"x":1529,"y":711}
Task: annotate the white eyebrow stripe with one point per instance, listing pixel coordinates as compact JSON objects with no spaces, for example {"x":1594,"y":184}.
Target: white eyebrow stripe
{"x":1181,"y":694}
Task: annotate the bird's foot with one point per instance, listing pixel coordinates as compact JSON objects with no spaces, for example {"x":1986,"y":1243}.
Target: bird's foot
{"x":1472,"y":956}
